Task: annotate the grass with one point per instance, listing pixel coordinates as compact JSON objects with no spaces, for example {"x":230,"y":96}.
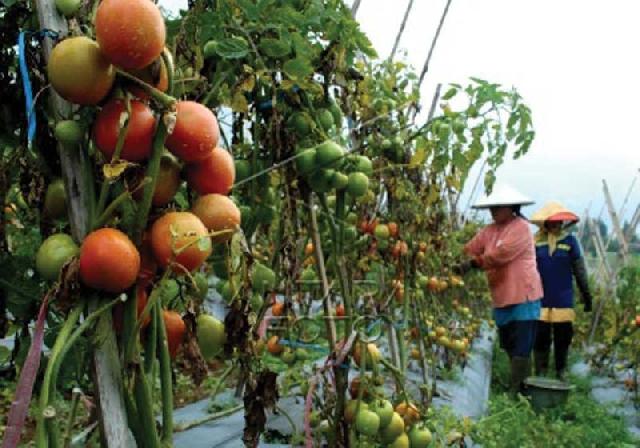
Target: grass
{"x":582,"y":422}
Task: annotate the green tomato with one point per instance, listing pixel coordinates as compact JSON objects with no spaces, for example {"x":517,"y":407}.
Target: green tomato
{"x":325,"y":118}
{"x":68,"y":7}
{"x":322,"y":180}
{"x":211,"y":336}
{"x":384,"y":409}
{"x":243,"y":169}
{"x":68,"y":132}
{"x":256,"y":302}
{"x":224,"y":288}
{"x":329,"y":154}
{"x":55,"y":200}
{"x":262,"y":278}
{"x":339,"y":181}
{"x":420,"y":436}
{"x":288,"y":356}
{"x":300,"y":123}
{"x":358,"y":184}
{"x":367,"y":422}
{"x":200,"y":288}
{"x":54,"y":252}
{"x":210,"y":48}
{"x":364,"y":165}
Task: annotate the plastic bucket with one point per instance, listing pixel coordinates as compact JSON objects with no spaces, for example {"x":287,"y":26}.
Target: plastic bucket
{"x":547,"y":392}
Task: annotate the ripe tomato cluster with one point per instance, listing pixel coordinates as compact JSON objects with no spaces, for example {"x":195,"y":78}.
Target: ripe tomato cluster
{"x":122,"y":73}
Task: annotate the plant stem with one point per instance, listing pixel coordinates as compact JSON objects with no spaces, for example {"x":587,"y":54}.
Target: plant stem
{"x":170,"y":66}
{"x":221,"y":381}
{"x":166,"y":101}
{"x":145,"y":409}
{"x":150,"y":350}
{"x":104,"y":189}
{"x":208,"y":418}
{"x":111,"y":208}
{"x":165,"y":378}
{"x":75,"y":399}
{"x":153,"y":168}
{"x":46,"y":392}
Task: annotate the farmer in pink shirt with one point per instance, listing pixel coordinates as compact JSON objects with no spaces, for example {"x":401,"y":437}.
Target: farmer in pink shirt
{"x":505,"y":250}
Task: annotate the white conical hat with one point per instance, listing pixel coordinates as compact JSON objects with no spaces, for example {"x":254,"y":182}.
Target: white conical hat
{"x":503,"y":195}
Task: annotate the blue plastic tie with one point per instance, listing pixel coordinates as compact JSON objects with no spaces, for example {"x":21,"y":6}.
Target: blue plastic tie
{"x":26,"y":82}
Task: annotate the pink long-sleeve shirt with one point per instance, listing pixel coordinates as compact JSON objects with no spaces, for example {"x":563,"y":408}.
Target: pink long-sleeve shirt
{"x":507,"y":253}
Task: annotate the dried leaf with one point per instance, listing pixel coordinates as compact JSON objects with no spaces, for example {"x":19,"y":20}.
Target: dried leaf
{"x":24,"y":390}
{"x":239,"y":102}
{"x":192,"y":360}
{"x":418,"y":158}
{"x":114,"y":169}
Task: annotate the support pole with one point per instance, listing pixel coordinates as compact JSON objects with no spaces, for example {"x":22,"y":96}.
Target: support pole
{"x":401,"y":30}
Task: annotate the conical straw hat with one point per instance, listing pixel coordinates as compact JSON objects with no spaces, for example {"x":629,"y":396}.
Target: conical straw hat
{"x":553,"y":211}
{"x":503,"y":195}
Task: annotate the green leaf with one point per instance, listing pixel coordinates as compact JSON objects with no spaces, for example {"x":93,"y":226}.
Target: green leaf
{"x":239,"y":102}
{"x":418,"y":157}
{"x":232,"y":48}
{"x":450,"y":93}
{"x":5,"y":354}
{"x":298,"y":68}
{"x":204,"y":244}
{"x":274,"y":48}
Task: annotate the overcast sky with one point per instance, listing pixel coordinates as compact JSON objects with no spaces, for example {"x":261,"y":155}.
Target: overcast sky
{"x":574,"y":62}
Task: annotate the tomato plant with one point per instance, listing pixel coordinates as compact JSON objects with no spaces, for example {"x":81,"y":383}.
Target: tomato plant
{"x":321,"y":199}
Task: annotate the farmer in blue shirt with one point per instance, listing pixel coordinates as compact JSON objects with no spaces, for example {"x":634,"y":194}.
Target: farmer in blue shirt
{"x":559,"y":260}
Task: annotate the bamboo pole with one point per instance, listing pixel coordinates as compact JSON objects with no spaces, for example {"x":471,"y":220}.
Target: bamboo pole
{"x":401,"y":30}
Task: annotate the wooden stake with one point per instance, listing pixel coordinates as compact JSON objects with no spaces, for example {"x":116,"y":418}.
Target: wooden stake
{"x":615,"y":221}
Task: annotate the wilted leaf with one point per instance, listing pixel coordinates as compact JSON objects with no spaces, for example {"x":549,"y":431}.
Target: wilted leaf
{"x":114,"y":169}
{"x":239,"y":102}
{"x":247,"y":83}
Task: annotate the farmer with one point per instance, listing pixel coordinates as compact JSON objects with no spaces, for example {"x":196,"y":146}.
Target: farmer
{"x":559,"y":260}
{"x":505,"y":251}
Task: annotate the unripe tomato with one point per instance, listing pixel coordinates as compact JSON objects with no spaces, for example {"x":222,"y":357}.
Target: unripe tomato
{"x":54,"y":252}
{"x":195,"y":134}
{"x":108,"y":261}
{"x":187,"y":234}
{"x":68,"y":7}
{"x":55,"y":200}
{"x":211,"y":336}
{"x":139,"y":138}
{"x":68,"y":132}
{"x":262,"y":277}
{"x":79,"y":72}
